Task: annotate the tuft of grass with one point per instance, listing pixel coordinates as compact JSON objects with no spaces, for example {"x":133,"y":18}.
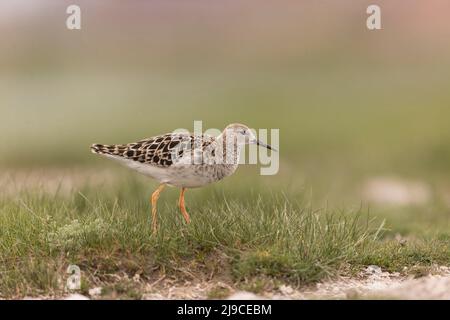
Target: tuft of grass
{"x":123,"y":289}
{"x":218,"y":292}
{"x":418,"y":254}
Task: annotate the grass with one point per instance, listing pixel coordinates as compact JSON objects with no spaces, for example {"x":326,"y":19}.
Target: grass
{"x":106,"y":232}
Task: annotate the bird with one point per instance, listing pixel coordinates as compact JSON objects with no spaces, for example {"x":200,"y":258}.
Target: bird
{"x":182,"y":159}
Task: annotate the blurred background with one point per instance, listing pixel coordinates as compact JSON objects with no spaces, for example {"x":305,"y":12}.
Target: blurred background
{"x":363,"y":115}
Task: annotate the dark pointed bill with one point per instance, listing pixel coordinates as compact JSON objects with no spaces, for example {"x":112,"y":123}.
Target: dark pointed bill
{"x":262,"y":144}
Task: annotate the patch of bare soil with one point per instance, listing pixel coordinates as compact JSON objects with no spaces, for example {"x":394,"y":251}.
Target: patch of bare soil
{"x":370,"y":284}
{"x":377,"y":284}
{"x":396,"y":191}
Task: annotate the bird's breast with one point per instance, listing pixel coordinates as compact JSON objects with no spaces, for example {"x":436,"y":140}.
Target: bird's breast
{"x":193,"y":176}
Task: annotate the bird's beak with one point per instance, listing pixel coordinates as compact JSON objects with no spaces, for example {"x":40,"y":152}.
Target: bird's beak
{"x":262,"y":144}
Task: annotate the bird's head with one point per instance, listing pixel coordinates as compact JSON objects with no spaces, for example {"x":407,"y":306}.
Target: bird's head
{"x":244,"y":135}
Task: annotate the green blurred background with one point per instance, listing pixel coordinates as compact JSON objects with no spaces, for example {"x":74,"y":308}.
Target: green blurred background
{"x":351,"y":104}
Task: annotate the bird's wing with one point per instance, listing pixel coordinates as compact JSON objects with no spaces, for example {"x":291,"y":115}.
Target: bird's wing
{"x":161,"y":151}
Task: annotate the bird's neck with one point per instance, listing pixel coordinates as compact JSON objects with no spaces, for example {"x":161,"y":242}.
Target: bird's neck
{"x":228,"y":149}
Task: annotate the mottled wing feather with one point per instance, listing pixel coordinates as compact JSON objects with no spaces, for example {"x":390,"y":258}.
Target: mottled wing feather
{"x":157,"y":150}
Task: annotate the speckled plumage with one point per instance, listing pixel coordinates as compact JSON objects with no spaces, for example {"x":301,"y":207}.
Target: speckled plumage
{"x":178,"y":159}
{"x":161,"y":151}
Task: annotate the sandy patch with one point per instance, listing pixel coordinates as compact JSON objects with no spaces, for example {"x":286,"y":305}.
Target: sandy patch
{"x":396,"y":191}
{"x":371,"y":283}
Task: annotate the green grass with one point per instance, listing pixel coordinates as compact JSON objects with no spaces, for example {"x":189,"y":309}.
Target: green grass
{"x":106,"y":231}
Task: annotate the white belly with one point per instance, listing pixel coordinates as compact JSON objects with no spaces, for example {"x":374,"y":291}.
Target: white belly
{"x":179,"y":175}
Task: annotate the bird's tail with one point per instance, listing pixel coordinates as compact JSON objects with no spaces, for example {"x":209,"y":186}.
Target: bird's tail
{"x":113,"y":149}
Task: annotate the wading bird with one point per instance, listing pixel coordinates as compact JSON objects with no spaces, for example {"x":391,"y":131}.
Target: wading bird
{"x":183,"y":160}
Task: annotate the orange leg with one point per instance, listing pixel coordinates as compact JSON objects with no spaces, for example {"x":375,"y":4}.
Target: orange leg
{"x":182,"y":207}
{"x":155,"y":197}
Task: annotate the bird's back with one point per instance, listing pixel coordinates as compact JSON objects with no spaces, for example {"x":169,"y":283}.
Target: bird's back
{"x":161,"y":151}
{"x":170,"y":158}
